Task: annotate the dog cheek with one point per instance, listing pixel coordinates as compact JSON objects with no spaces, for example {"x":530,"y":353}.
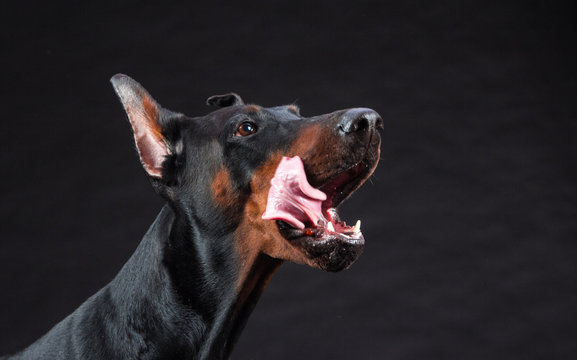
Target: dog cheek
{"x":256,"y":234}
{"x":308,"y":142}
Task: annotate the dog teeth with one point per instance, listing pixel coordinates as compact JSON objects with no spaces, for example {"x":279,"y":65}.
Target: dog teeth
{"x":357,"y":227}
{"x":330,"y":227}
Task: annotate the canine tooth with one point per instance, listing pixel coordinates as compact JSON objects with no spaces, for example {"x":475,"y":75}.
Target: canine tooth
{"x":357,"y":226}
{"x":330,"y":227}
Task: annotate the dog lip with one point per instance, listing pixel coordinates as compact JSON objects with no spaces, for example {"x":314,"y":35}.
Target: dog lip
{"x":326,"y":229}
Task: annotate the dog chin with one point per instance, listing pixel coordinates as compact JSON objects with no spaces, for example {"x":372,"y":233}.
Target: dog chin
{"x":326,"y":250}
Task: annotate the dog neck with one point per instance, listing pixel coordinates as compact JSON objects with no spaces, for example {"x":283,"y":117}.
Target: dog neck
{"x":189,"y":289}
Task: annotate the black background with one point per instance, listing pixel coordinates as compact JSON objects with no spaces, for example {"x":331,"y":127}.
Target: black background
{"x":470,"y":220}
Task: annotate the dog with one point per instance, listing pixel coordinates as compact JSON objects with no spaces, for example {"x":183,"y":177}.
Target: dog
{"x":246,"y":188}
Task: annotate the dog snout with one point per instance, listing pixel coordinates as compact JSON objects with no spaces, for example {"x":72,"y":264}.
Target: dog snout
{"x":360,"y":122}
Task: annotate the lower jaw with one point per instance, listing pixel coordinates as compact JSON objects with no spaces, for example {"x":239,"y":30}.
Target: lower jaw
{"x":327,"y":251}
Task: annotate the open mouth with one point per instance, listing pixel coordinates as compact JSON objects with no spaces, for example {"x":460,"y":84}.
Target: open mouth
{"x":307,"y":216}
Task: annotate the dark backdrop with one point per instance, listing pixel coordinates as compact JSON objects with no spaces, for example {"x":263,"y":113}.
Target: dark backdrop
{"x":470,"y":220}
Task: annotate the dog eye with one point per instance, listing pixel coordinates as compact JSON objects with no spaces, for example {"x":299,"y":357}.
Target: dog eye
{"x":246,"y":128}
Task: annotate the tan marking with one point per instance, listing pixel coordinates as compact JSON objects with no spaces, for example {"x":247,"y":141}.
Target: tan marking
{"x":221,"y":188}
{"x":147,"y":134}
{"x":293,"y":108}
{"x":307,"y":143}
{"x":253,"y":108}
{"x":318,"y":147}
{"x":151,"y":112}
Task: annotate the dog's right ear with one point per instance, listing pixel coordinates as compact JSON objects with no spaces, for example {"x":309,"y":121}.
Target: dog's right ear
{"x":149,"y":122}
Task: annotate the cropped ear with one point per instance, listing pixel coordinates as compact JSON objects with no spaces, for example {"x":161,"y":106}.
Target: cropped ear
{"x":225,"y":100}
{"x":149,"y":122}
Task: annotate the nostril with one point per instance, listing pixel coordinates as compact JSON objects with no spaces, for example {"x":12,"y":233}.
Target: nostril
{"x":379,"y":125}
{"x":361,"y":124}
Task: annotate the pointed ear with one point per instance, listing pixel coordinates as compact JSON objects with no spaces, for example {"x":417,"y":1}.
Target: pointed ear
{"x":225,"y":100}
{"x":148,"y":120}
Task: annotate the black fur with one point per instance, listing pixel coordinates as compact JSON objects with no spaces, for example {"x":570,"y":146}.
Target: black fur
{"x":177,"y":296}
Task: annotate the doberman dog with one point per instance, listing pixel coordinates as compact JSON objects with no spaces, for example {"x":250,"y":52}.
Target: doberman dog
{"x":247,"y":188}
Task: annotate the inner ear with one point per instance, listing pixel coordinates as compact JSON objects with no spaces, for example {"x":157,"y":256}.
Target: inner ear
{"x":148,"y":120}
{"x":225,"y":100}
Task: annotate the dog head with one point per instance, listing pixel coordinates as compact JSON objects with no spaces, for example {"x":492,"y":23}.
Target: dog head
{"x":267,"y":178}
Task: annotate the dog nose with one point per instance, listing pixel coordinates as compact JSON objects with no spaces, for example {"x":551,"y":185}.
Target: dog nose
{"x":360,"y":121}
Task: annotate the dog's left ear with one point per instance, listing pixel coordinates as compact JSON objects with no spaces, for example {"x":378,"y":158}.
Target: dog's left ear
{"x":230,"y":99}
{"x":150,"y":123}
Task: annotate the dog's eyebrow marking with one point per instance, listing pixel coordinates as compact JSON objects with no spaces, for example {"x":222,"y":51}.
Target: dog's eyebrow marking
{"x":253,"y":108}
{"x":293,"y":109}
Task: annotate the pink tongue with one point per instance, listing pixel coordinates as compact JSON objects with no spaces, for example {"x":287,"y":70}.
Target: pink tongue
{"x":291,"y":198}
